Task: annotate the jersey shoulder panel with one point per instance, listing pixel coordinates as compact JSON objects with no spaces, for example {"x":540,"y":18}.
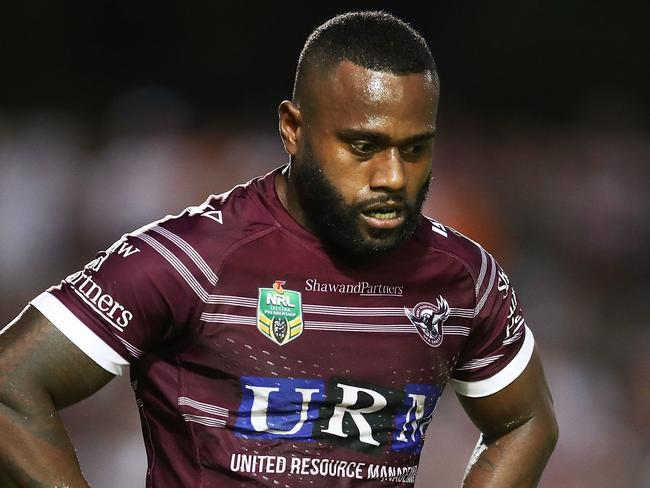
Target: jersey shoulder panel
{"x":499,"y":343}
{"x":153,"y":283}
{"x":207,"y":233}
{"x":480,"y":265}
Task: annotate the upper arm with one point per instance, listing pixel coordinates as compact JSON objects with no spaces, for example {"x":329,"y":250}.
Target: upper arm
{"x":37,"y":360}
{"x":526,"y":399}
{"x":499,"y":377}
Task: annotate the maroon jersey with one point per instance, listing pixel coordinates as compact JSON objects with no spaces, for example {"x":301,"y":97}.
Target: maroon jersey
{"x":258,"y":360}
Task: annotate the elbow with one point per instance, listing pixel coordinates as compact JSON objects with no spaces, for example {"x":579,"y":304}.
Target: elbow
{"x":542,"y":432}
{"x":553,"y":433}
{"x":547,"y":433}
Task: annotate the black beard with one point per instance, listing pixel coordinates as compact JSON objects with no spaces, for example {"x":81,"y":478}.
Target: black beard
{"x":337,"y":224}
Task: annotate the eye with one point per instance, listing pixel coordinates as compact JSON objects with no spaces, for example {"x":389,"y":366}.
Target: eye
{"x":413,"y":150}
{"x":363,"y":147}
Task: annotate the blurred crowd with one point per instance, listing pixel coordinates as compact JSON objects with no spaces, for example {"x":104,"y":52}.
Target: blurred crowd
{"x":564,"y":208}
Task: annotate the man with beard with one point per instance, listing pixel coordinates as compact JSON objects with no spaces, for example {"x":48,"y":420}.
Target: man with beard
{"x":248,"y":374}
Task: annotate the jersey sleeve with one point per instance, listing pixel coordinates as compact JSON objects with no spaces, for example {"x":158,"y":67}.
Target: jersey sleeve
{"x":500,"y":344}
{"x":125,"y":303}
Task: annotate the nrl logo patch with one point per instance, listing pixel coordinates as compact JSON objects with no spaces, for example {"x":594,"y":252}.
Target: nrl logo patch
{"x":428,"y":320}
{"x":279,"y":313}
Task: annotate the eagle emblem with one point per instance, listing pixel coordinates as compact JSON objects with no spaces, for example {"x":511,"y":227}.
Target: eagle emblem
{"x":428,"y":320}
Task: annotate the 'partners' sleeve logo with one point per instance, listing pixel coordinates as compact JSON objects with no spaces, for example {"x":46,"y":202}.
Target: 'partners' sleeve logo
{"x":98,"y":300}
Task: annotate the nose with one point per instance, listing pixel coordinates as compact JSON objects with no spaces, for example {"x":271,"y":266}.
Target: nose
{"x":387,"y":171}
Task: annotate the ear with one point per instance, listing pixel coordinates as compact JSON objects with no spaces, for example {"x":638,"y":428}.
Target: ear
{"x":290,"y":120}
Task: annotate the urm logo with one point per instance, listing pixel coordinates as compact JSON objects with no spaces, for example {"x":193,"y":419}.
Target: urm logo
{"x":274,"y":408}
{"x":357,"y":416}
{"x":415,"y":416}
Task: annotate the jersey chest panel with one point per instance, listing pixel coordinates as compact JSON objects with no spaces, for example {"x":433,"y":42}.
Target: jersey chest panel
{"x":328,"y":361}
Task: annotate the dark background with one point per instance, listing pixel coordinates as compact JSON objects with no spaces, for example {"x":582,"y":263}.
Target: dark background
{"x":113,"y":114}
{"x":514,"y":61}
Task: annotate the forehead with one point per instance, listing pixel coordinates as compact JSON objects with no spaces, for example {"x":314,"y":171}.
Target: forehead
{"x":353,"y":96}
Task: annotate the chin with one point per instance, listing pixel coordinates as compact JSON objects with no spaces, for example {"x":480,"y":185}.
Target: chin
{"x":385,"y":239}
{"x":375,"y":247}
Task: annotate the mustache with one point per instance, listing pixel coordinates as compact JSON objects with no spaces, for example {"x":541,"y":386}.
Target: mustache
{"x":396,"y":199}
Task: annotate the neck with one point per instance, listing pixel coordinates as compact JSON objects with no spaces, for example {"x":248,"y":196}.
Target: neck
{"x":286,"y":191}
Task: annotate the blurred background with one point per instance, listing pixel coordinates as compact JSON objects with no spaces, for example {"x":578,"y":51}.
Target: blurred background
{"x":113,"y":114}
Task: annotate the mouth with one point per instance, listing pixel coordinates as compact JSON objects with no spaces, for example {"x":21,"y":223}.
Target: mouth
{"x":384,"y":216}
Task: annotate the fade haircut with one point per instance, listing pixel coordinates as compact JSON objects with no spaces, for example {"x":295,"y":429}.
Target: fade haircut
{"x":374,"y":40}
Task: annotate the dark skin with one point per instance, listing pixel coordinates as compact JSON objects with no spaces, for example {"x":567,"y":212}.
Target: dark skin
{"x":41,"y":371}
{"x":518,"y":432}
{"x":373,"y":135}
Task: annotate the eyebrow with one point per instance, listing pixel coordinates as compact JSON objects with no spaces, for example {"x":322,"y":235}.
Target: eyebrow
{"x":378,"y":137}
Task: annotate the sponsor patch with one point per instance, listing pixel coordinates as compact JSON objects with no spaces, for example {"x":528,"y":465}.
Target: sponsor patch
{"x":361,"y":288}
{"x":362,"y":417}
{"x":279,"y":313}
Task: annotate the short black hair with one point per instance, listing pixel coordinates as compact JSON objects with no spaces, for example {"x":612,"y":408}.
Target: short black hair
{"x":375,"y":40}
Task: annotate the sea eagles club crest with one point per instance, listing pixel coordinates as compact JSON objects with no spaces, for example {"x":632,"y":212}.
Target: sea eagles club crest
{"x":279,"y":313}
{"x":428,"y":320}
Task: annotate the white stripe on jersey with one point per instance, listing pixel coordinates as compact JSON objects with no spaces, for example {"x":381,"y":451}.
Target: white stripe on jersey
{"x":468,"y":313}
{"x":334,"y":326}
{"x":236,"y":301}
{"x":203,"y":407}
{"x":207,"y":421}
{"x":179,"y":267}
{"x":455,"y":330}
{"x":223,"y":318}
{"x":493,"y":274}
{"x":317,"y":309}
{"x":354,"y":311}
{"x":82,"y":336}
{"x":479,"y":363}
{"x":481,"y":274}
{"x":512,"y":339}
{"x":190,"y":251}
{"x":135,"y":352}
{"x":501,"y":379}
{"x":334,"y":310}
{"x":226,"y":318}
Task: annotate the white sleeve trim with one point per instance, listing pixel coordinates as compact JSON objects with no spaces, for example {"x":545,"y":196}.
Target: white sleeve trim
{"x":79,"y":333}
{"x":501,"y":379}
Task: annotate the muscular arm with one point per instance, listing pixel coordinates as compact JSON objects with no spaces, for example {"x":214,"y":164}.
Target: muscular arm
{"x":41,"y":371}
{"x":518,"y":432}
